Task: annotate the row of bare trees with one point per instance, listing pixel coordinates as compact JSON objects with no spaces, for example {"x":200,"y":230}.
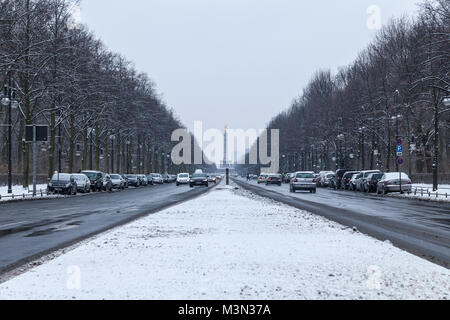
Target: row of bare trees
{"x":102,"y":114}
{"x":396,"y":88}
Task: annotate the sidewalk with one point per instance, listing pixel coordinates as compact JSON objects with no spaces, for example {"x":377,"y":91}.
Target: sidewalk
{"x":230,"y":244}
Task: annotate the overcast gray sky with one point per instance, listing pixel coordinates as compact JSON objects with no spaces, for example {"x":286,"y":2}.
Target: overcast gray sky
{"x":235,"y":62}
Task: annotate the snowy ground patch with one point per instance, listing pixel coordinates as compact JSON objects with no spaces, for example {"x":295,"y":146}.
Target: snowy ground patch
{"x":425,"y":192}
{"x":232,"y":244}
{"x":20,"y":191}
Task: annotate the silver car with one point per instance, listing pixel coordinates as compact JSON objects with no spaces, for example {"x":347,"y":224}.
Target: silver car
{"x":390,"y":182}
{"x":303,"y":181}
{"x":359,"y":185}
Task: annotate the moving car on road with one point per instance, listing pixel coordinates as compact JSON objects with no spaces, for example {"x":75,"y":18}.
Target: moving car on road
{"x":198,"y":179}
{"x":96,"y":178}
{"x":63,"y":183}
{"x":262,"y":178}
{"x":182,"y":178}
{"x":212,"y":179}
{"x":304,"y":181}
{"x":274,"y":179}
{"x":390,"y":182}
{"x":83,"y":183}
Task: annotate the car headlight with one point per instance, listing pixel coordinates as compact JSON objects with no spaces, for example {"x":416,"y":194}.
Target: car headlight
{"x":68,"y":185}
{"x":50,"y":184}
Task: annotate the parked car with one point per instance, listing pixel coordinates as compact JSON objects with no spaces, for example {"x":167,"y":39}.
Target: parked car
{"x":133,"y":180}
{"x":359,"y":185}
{"x":345,"y":181}
{"x":321,"y":179}
{"x":172,"y":178}
{"x":390,"y":182}
{"x":117,"y":181}
{"x":262,"y":178}
{"x":198,"y":179}
{"x":150,"y":179}
{"x":157,"y":178}
{"x":143,"y":180}
{"x":327,"y":180}
{"x":304,"y":181}
{"x":96,"y":178}
{"x":353,"y":179}
{"x":165,"y":178}
{"x":182,"y":178}
{"x":83,"y":183}
{"x":63,"y":183}
{"x":125,"y":180}
{"x":274,"y":179}
{"x":370,"y":185}
{"x":339,"y":174}
{"x":107,"y":184}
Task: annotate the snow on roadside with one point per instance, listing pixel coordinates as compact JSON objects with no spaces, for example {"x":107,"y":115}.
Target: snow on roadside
{"x":425,"y":192}
{"x":19,"y":191}
{"x":232,"y":245}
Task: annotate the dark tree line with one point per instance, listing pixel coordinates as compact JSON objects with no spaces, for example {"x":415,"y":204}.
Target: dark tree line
{"x":102,"y":114}
{"x":396,"y":87}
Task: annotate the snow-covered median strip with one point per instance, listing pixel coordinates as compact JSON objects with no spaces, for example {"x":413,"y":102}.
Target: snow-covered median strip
{"x":232,"y":245}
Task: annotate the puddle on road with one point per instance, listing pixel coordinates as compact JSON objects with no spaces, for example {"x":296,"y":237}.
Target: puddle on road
{"x":68,"y":226}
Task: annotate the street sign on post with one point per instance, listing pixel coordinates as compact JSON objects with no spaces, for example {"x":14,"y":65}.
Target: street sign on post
{"x":399,"y":150}
{"x":400,"y":161}
{"x":41,"y":133}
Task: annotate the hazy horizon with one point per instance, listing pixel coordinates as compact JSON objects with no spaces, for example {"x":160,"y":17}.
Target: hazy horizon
{"x":235,"y":62}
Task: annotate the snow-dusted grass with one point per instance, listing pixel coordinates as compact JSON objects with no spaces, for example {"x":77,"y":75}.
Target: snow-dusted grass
{"x":425,"y":192}
{"x":19,"y":191}
{"x":232,"y":245}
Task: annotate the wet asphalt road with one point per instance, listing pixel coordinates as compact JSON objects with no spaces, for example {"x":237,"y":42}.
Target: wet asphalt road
{"x":420,"y":227}
{"x":29,"y":229}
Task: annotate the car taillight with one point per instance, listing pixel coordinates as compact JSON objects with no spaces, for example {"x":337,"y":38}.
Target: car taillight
{"x":371,"y":182}
{"x":409,"y":182}
{"x":279,"y":179}
{"x":296,"y":180}
{"x":389,"y":183}
{"x":347,"y":180}
{"x":314,"y":181}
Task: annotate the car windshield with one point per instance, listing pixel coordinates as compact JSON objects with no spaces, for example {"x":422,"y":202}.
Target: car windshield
{"x":115,"y":176}
{"x":91,"y":175}
{"x":199,"y":175}
{"x":330,"y":176}
{"x":305,"y":175}
{"x":61,"y":177}
{"x":132,"y":177}
{"x":275,"y":176}
{"x":377,"y":176}
{"x":154,"y":175}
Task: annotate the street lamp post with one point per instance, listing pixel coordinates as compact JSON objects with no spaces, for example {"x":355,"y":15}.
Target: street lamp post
{"x":9,"y":96}
{"x":112,"y":137}
{"x":446,"y":102}
{"x":363,"y":158}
